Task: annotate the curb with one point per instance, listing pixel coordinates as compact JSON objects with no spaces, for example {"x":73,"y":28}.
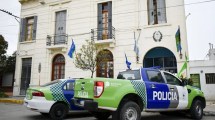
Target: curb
{"x":15,"y":101}
{"x":209,"y":113}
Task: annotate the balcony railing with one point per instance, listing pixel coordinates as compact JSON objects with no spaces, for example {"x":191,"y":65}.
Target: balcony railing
{"x":98,"y":34}
{"x":57,"y":39}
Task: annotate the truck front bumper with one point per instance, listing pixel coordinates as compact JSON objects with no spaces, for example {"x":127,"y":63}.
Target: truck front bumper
{"x":89,"y":105}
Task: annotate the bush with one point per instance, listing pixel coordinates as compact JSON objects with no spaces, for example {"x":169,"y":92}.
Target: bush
{"x":2,"y":94}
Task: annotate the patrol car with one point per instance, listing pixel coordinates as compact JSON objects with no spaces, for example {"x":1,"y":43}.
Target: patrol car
{"x":133,"y":91}
{"x":52,"y":99}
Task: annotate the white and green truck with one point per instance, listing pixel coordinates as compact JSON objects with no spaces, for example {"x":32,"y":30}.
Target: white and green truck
{"x":134,"y":91}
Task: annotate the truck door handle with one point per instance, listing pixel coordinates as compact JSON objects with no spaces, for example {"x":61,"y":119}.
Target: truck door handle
{"x":153,"y":86}
{"x":171,"y":88}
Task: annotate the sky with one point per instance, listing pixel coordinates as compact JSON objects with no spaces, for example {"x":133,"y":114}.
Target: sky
{"x":200,"y":26}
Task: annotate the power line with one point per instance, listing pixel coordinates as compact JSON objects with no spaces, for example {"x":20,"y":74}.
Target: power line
{"x":9,"y":13}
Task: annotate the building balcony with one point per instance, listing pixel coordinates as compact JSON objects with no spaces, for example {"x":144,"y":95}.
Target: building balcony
{"x":103,"y":36}
{"x":57,"y":41}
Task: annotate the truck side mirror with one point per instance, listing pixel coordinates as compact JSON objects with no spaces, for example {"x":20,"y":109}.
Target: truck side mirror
{"x":184,"y":82}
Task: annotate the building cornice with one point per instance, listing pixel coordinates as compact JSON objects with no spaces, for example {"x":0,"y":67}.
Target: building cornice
{"x":23,"y":1}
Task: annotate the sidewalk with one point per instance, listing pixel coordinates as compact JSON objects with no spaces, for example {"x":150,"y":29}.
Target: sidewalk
{"x":208,"y":111}
{"x":210,"y":108}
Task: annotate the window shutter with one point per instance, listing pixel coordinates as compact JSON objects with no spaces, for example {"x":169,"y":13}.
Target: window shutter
{"x":109,"y":20}
{"x":63,"y":23}
{"x":99,"y":34}
{"x":34,"y":28}
{"x":150,"y":12}
{"x":57,"y":28}
{"x":22,"y":29}
{"x":161,"y":11}
{"x":60,"y":27}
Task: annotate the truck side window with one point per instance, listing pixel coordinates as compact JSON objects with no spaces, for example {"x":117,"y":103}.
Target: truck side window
{"x":69,"y":86}
{"x":129,"y":75}
{"x":172,"y":79}
{"x":155,"y":76}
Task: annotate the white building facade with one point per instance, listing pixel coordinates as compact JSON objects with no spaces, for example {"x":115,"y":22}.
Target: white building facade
{"x":48,"y":27}
{"x":203,"y":74}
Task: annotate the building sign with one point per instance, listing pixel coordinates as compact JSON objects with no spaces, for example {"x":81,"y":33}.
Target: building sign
{"x":196,"y":80}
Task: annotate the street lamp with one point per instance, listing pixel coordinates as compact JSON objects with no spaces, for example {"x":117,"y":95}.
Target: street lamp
{"x":187,"y":16}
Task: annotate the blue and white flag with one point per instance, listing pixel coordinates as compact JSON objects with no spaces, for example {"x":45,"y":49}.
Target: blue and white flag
{"x":127,"y":62}
{"x":72,"y":49}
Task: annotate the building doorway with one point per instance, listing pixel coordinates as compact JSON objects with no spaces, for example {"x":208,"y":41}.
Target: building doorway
{"x":105,"y":67}
{"x":25,"y":75}
{"x":58,"y":67}
{"x":161,"y":57}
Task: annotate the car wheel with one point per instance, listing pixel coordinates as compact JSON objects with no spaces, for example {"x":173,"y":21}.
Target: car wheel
{"x":58,"y":111}
{"x":101,"y":115}
{"x":129,"y":111}
{"x":196,"y":110}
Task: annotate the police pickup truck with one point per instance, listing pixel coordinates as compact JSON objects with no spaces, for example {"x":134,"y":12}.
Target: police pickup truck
{"x":133,"y":91}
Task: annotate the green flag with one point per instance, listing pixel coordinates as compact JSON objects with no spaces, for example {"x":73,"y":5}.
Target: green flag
{"x":184,"y":66}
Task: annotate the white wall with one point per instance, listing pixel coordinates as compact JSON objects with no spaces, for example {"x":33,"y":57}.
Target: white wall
{"x":201,"y":67}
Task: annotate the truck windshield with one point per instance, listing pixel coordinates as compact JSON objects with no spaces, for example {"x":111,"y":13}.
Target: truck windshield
{"x":129,"y":75}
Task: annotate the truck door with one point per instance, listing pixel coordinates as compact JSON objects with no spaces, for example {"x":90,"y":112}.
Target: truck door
{"x":68,"y":91}
{"x":156,"y":89}
{"x":179,"y":99}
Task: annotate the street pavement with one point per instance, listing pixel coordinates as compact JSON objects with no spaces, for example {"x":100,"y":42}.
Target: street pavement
{"x":12,"y":108}
{"x":10,"y":111}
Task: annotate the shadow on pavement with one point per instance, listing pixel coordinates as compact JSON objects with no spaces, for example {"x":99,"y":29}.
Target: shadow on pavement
{"x":78,"y":115}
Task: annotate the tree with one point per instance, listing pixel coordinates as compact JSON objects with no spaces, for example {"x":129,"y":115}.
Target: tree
{"x":3,"y":50}
{"x":10,"y":63}
{"x":88,"y":57}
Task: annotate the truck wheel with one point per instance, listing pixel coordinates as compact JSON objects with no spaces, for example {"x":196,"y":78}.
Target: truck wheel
{"x":129,"y":111}
{"x":58,"y":111}
{"x":101,"y":115}
{"x":196,"y":110}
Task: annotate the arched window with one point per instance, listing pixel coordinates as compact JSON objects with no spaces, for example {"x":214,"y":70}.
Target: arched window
{"x":161,"y":57}
{"x":58,"y":67}
{"x":105,"y":64}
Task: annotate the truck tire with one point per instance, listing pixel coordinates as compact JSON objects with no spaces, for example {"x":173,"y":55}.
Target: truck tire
{"x":101,"y":115}
{"x":129,"y":111}
{"x":58,"y":111}
{"x":196,"y":110}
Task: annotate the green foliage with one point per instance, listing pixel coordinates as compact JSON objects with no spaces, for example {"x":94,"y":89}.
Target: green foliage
{"x":3,"y":50}
{"x":10,"y":63}
{"x":3,"y":45}
{"x":2,"y":94}
{"x":86,"y":58}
